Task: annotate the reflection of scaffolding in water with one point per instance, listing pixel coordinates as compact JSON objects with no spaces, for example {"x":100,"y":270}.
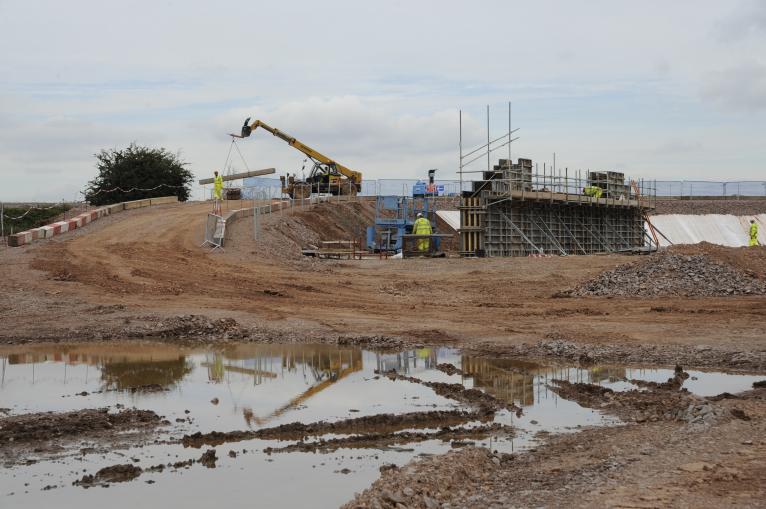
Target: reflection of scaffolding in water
{"x":517,"y":381}
{"x":403,"y":362}
{"x":321,"y":367}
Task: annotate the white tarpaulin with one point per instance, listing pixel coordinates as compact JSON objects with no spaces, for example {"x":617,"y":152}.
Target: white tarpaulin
{"x":451,"y":217}
{"x":726,"y":230}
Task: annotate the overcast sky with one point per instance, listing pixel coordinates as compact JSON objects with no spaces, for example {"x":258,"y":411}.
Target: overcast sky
{"x":658,"y":89}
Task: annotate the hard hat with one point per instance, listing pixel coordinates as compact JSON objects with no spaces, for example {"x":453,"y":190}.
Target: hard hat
{"x":420,"y":214}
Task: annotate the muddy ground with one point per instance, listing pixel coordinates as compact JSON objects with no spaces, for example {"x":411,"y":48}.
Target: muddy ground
{"x":47,"y":434}
{"x":142,"y":274}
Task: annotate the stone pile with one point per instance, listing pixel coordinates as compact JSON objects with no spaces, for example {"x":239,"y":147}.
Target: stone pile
{"x":668,"y":274}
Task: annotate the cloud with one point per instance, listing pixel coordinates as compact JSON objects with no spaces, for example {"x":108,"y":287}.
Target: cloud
{"x":747,"y":20}
{"x":677,"y":147}
{"x":741,"y":88}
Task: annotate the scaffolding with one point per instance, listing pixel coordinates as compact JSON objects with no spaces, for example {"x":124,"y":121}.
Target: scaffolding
{"x":515,"y":209}
{"x":513,"y":212}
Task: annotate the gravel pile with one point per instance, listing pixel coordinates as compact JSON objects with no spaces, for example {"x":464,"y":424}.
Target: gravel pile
{"x":668,"y":274}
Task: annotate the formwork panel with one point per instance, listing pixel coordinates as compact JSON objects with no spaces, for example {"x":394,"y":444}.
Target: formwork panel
{"x":521,"y":228}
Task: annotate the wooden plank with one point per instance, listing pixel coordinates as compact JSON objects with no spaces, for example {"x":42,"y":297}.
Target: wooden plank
{"x":236,"y":176}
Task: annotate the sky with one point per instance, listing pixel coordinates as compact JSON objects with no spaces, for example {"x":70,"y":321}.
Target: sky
{"x":657,"y":89}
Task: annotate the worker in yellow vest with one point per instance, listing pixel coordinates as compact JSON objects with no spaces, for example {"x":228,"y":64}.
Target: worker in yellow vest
{"x":753,"y":233}
{"x":217,"y":192}
{"x":593,"y":191}
{"x":422,"y":226}
{"x":217,"y":186}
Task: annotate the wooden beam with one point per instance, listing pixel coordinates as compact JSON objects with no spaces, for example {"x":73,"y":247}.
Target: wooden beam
{"x":245,"y":174}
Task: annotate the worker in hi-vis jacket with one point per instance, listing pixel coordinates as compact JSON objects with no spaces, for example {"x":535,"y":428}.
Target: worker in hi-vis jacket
{"x":217,"y":192}
{"x":422,"y":226}
{"x":753,"y":233}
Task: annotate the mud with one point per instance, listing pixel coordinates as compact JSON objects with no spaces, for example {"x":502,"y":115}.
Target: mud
{"x":383,"y":441}
{"x":449,"y":369}
{"x":648,"y":464}
{"x":560,"y":347}
{"x":51,"y":426}
{"x":672,"y":384}
{"x":639,"y":406}
{"x":208,"y":458}
{"x":107,"y":475}
{"x":485,"y":403}
{"x":380,"y":423}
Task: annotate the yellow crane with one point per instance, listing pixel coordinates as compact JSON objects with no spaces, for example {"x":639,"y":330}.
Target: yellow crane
{"x":327,"y":176}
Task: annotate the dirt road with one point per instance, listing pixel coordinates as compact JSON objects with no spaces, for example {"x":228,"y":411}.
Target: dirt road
{"x":147,"y":265}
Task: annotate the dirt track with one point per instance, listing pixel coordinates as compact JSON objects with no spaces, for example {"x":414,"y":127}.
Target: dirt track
{"x":147,"y":265}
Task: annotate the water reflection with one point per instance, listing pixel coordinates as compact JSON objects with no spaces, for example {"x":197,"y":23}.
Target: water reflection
{"x":120,"y":367}
{"x":266,"y":381}
{"x":518,"y":381}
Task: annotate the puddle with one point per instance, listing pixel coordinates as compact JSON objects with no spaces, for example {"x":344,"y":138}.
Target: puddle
{"x":254,"y":387}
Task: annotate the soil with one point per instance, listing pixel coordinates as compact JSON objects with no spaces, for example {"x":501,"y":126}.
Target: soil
{"x":112,"y":474}
{"x":49,"y":432}
{"x":379,"y":423}
{"x":142,"y":274}
{"x":649,"y":464}
{"x":698,"y":207}
{"x":384,"y":441}
{"x":485,"y":403}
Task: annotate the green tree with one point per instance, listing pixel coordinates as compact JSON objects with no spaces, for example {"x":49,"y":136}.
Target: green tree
{"x":134,"y":169}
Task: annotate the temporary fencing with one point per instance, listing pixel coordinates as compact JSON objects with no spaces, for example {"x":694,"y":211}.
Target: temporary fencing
{"x":215,"y":232}
{"x":729,"y":189}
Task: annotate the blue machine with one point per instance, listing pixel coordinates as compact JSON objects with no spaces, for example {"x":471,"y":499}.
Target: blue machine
{"x":394,"y":217}
{"x":422,"y":189}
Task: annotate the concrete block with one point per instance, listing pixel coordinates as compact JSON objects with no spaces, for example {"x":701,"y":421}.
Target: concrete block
{"x":20,"y":239}
{"x":61,"y":227}
{"x":73,"y":224}
{"x":37,"y":233}
{"x":162,"y":200}
{"x":135,"y":204}
{"x":117,"y":207}
{"x":48,"y":231}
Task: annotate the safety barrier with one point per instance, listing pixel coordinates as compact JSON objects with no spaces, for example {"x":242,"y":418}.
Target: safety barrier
{"x":215,"y":231}
{"x":57,"y":228}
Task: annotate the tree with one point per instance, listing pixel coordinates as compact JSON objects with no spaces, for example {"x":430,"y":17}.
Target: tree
{"x":136,"y":173}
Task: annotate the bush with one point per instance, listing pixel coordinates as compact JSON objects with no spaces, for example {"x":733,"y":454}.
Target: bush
{"x":33,"y":219}
{"x":136,"y":173}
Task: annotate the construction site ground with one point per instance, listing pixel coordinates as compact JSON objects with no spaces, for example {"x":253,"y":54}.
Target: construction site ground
{"x":142,"y":274}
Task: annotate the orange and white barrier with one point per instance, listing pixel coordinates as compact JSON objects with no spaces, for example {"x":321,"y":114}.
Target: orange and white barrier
{"x":57,"y":228}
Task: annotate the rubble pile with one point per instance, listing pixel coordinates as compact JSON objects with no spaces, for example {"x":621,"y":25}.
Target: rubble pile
{"x":668,"y":274}
{"x":193,"y":326}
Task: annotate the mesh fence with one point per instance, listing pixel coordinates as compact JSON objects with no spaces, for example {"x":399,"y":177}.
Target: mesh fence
{"x":707,"y":188}
{"x":403,"y":187}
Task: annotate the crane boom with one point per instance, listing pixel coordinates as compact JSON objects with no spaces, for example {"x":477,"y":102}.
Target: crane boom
{"x":354,"y":176}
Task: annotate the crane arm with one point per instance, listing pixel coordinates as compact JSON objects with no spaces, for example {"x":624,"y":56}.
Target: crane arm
{"x":352,"y":175}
